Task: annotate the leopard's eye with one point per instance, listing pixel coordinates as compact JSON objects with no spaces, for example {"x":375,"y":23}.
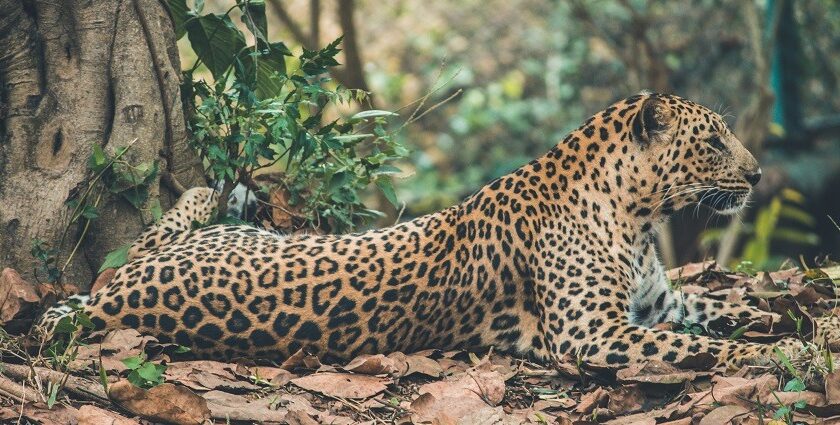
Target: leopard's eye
{"x":715,"y":142}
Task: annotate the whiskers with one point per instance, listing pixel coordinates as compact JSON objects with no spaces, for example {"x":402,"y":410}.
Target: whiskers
{"x":679,"y":191}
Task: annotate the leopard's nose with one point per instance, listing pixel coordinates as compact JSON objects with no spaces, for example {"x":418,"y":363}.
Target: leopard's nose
{"x":753,"y":177}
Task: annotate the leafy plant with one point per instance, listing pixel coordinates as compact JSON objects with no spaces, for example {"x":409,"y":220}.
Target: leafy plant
{"x":46,"y":256}
{"x":65,"y":343}
{"x":265,"y":113}
{"x":144,"y":374}
{"x":781,"y":220}
{"x":109,"y":174}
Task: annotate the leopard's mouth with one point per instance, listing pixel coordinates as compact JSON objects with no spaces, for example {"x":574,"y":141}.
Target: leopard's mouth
{"x":724,"y":201}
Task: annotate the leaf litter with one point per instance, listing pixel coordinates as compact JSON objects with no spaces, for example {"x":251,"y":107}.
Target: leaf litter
{"x":432,"y":386}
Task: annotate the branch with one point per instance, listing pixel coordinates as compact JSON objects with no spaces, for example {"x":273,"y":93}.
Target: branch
{"x":80,"y":387}
{"x":290,"y":23}
{"x":353,"y":72}
{"x":315,"y":21}
{"x":307,"y":41}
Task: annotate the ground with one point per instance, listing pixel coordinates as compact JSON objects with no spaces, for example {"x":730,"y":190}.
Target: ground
{"x":123,"y":378}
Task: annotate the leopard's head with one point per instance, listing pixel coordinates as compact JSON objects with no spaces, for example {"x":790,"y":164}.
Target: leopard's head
{"x":692,"y":155}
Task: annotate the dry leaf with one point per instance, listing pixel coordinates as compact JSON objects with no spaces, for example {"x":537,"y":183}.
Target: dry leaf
{"x":699,"y":362}
{"x":415,"y":363}
{"x":723,"y":415}
{"x":671,"y":411}
{"x":165,"y":402}
{"x":592,"y":400}
{"x":39,"y":413}
{"x":372,"y":365}
{"x":103,"y":279}
{"x":226,"y":406}
{"x":784,"y":305}
{"x":301,"y":359}
{"x":626,"y":399}
{"x":274,"y":375}
{"x":343,"y":385}
{"x":737,"y":391}
{"x":832,"y":387}
{"x":689,"y":271}
{"x":92,"y":415}
{"x":115,"y":346}
{"x":298,"y":417}
{"x":281,"y":212}
{"x":451,"y":400}
{"x":17,"y":296}
{"x":206,"y":375}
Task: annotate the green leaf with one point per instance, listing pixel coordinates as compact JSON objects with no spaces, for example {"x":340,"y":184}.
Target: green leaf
{"x":136,"y":196}
{"x":132,"y":362}
{"x":53,"y":390}
{"x":103,"y":377}
{"x":794,"y":385}
{"x":264,"y":71}
{"x":352,"y":137}
{"x":253,"y":16}
{"x":785,"y":361}
{"x":65,"y":326}
{"x":372,"y":113}
{"x":338,"y":181}
{"x":216,"y":41}
{"x":97,"y":161}
{"x":797,"y":214}
{"x":737,"y":333}
{"x":181,"y":349}
{"x":89,"y":212}
{"x":84,"y":320}
{"x":387,"y":169}
{"x":387,"y":188}
{"x":178,"y":11}
{"x":115,"y":259}
{"x":151,"y":372}
{"x":156,"y":210}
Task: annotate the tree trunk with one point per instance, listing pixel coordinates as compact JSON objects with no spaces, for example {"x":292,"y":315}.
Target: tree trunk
{"x":77,"y":74}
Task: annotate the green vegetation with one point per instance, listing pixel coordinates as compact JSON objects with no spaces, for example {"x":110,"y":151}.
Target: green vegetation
{"x":267,"y":109}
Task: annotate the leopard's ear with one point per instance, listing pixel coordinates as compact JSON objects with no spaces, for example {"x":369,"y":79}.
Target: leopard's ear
{"x":655,"y":122}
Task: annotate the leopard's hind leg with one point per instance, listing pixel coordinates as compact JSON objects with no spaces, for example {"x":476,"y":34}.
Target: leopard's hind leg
{"x":194,"y":206}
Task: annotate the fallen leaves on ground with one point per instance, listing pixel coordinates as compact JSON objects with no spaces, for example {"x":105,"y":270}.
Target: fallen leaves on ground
{"x":343,"y":385}
{"x":165,"y":403}
{"x":458,"y":387}
{"x":113,"y":347}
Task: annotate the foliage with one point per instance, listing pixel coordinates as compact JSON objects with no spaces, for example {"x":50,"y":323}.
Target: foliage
{"x":65,"y":343}
{"x":783,"y":219}
{"x":109,"y":174}
{"x":144,"y":374}
{"x":263,"y":114}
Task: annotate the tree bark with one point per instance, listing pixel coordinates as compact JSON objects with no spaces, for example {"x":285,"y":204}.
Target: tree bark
{"x":75,"y":75}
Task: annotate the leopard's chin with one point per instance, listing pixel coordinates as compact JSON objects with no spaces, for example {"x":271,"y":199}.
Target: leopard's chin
{"x":725,"y":202}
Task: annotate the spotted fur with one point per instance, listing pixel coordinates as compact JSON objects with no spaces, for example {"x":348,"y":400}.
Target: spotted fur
{"x":555,"y":258}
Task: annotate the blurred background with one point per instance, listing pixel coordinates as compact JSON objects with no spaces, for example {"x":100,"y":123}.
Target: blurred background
{"x":490,"y":84}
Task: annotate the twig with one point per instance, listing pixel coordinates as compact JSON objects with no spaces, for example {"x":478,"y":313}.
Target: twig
{"x":80,"y":387}
{"x":16,"y":391}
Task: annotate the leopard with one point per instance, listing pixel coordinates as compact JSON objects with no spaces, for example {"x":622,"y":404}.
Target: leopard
{"x":557,"y":258}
